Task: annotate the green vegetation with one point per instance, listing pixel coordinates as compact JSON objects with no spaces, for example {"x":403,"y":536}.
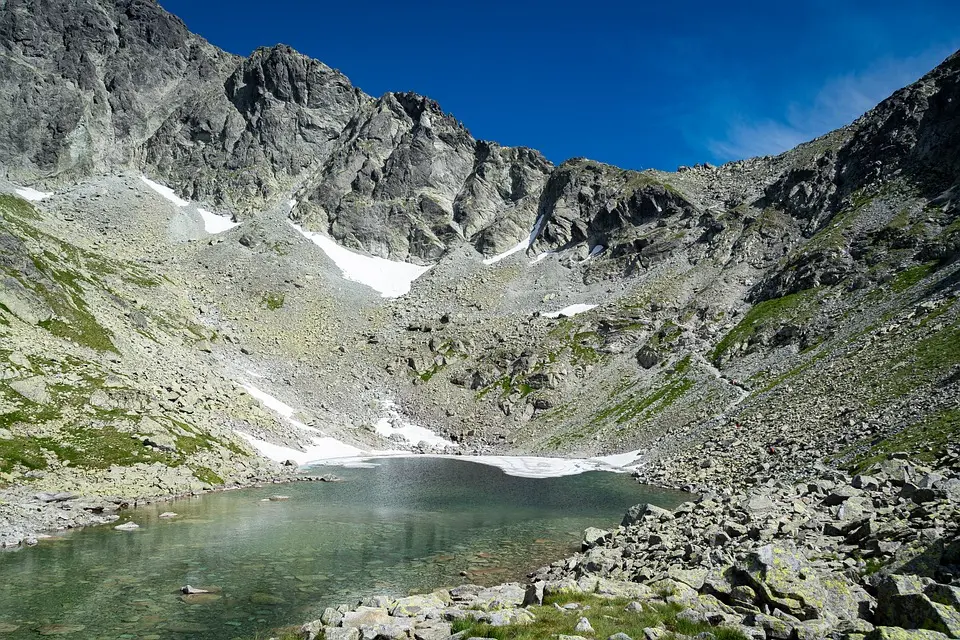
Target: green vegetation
{"x":203,"y":474}
{"x":637,"y":180}
{"x":911,"y":276}
{"x":88,"y":448}
{"x":582,"y":345}
{"x":925,"y":360}
{"x":18,"y":207}
{"x":21,"y":451}
{"x":926,"y":440}
{"x":273,"y":301}
{"x":637,"y":403}
{"x":606,"y":615}
{"x":765,"y":314}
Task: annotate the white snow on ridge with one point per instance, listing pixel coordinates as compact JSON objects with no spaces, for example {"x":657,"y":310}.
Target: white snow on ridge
{"x":509,"y":252}
{"x":166,"y":192}
{"x":215,"y":223}
{"x":390,"y":278}
{"x":32,"y":195}
{"x":570,"y":311}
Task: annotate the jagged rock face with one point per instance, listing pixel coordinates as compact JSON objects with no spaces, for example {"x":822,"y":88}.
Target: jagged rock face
{"x":607,"y":209}
{"x":85,"y":83}
{"x":914,"y":133}
{"x":253,"y":137}
{"x":407,"y":180}
{"x":916,"y":130}
{"x":394,"y":176}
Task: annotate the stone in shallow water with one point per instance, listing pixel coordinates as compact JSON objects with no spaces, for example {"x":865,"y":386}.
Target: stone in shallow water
{"x":266,"y":599}
{"x":127,"y":526}
{"x":59,"y":629}
{"x":168,"y":514}
{"x":200,"y":598}
{"x":6,"y":627}
{"x":186,"y":627}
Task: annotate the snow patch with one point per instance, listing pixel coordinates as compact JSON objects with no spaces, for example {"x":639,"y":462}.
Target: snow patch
{"x":572,"y":310}
{"x":541,"y":257}
{"x":32,"y":195}
{"x":518,"y":466}
{"x":325,"y":450}
{"x":538,"y":227}
{"x":390,"y":278}
{"x":394,"y":424}
{"x":215,"y":223}
{"x":506,"y":254}
{"x":166,"y":192}
{"x":630,"y":459}
{"x":269,"y":401}
{"x":322,"y":448}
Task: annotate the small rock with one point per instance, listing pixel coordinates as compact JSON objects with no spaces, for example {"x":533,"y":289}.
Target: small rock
{"x":583,"y":626}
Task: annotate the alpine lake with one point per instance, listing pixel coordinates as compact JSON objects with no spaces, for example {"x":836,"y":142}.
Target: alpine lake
{"x":403,"y":526}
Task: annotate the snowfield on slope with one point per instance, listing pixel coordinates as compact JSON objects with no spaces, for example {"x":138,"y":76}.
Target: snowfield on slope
{"x":506,"y":254}
{"x":570,"y":311}
{"x":213,"y":223}
{"x":327,"y":451}
{"x":390,"y":278}
{"x":394,"y":424}
{"x":28,"y":193}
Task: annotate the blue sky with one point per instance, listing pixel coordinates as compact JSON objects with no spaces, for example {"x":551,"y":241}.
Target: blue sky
{"x":637,"y":86}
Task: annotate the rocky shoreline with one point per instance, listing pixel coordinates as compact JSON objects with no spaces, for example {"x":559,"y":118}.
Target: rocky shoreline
{"x":865,"y":557}
{"x":28,"y":515}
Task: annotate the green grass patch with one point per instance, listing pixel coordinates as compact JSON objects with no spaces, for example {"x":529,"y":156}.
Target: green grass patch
{"x":203,"y":474}
{"x":606,"y":616}
{"x":273,"y":301}
{"x":92,"y":447}
{"x":925,"y":360}
{"x":19,"y":207}
{"x":762,"y":315}
{"x":21,"y":451}
{"x":911,"y":276}
{"x":926,"y":441}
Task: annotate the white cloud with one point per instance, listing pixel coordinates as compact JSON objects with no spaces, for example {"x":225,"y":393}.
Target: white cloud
{"x":840,"y":101}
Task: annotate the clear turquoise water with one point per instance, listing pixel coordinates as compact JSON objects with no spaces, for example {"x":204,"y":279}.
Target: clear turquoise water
{"x":405,"y":525}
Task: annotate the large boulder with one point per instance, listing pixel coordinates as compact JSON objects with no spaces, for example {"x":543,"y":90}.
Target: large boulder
{"x":638,"y":512}
{"x":902,"y":601}
{"x":784,"y":580}
{"x":413,"y":606}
